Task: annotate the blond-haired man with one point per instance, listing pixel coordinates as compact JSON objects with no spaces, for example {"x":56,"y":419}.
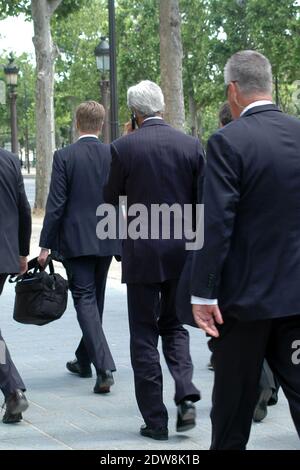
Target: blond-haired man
{"x":79,"y":173}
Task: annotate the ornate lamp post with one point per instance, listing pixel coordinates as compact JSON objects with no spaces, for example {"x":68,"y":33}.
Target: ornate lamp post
{"x":11,"y":71}
{"x":102,"y":53}
{"x":113,"y":70}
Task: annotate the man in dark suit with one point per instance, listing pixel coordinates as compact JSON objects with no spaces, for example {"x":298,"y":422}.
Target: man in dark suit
{"x":78,"y":176}
{"x":268,"y":385}
{"x":155,"y":164}
{"x":15,"y":233}
{"x":245,"y":282}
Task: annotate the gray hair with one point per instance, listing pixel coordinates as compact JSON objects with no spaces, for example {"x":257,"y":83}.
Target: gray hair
{"x":146,"y":98}
{"x":251,"y":70}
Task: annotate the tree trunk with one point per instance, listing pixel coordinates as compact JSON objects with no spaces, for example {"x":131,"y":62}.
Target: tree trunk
{"x":42,"y":10}
{"x":73,"y":130}
{"x":73,"y":103}
{"x":171,"y":62}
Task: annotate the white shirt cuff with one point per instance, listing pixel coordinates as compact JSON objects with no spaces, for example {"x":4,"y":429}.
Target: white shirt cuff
{"x":201,"y":301}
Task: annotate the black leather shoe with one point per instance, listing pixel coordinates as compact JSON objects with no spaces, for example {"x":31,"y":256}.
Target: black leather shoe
{"x":157,"y":434}
{"x":12,"y":419}
{"x":15,"y":405}
{"x":274,"y":398}
{"x":261,"y":409}
{"x":83,"y":371}
{"x":186,"y":416}
{"x":104,"y":381}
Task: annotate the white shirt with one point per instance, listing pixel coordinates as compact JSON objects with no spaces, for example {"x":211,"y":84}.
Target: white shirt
{"x":254,"y":104}
{"x":154,"y":117}
{"x":88,"y":135}
{"x":200,"y":300}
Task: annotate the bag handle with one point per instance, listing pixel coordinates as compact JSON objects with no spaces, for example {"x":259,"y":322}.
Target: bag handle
{"x":33,"y":264}
{"x":37,"y":267}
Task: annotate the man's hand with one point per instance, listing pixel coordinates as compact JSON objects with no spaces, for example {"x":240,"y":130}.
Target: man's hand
{"x":206,"y":317}
{"x":43,"y":257}
{"x":128,"y":128}
{"x":23,"y":265}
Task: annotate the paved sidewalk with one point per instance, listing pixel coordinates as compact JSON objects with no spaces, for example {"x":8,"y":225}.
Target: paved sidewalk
{"x":65,"y":414}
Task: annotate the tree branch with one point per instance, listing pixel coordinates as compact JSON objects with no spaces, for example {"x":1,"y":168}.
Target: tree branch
{"x":53,"y":5}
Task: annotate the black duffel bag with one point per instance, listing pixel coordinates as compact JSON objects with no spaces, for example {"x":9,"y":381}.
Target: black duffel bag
{"x":40,"y":297}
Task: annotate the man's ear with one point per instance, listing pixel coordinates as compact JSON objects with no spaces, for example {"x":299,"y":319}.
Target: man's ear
{"x":231,"y":91}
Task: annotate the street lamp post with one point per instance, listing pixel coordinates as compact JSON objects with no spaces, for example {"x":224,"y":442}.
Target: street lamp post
{"x":102,"y":54}
{"x":11,"y":71}
{"x":113,"y":71}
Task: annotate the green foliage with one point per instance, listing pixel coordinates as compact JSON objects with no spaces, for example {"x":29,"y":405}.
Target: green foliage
{"x":271,"y":28}
{"x":77,"y":78}
{"x":14,"y":7}
{"x":78,"y":35}
{"x":69,"y":6}
{"x":138,"y":46}
{"x":212,"y":30}
{"x":277,"y":35}
{"x":202,"y":74}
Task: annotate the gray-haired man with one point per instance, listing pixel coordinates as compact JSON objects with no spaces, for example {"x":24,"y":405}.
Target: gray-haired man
{"x":245,"y":282}
{"x":156,"y":164}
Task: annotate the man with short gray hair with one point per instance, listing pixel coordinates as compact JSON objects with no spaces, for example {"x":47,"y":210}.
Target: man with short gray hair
{"x":155,"y":165}
{"x":147,"y":98}
{"x":252,"y":72}
{"x":245,"y":280}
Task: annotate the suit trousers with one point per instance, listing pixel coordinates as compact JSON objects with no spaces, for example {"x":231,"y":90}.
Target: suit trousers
{"x":87,"y":278}
{"x":238,"y":356}
{"x":151,"y":309}
{"x":10,"y":379}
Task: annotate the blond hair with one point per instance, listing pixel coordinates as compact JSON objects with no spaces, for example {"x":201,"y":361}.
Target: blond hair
{"x":90,"y":116}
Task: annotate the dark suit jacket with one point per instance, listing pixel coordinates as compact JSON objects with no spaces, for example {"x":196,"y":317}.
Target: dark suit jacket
{"x":251,"y":255}
{"x":15,"y":214}
{"x":154,"y":165}
{"x":78,"y":174}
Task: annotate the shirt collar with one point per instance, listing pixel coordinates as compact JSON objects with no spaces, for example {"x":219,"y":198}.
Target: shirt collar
{"x":87,"y":135}
{"x":154,"y":117}
{"x":254,"y":104}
